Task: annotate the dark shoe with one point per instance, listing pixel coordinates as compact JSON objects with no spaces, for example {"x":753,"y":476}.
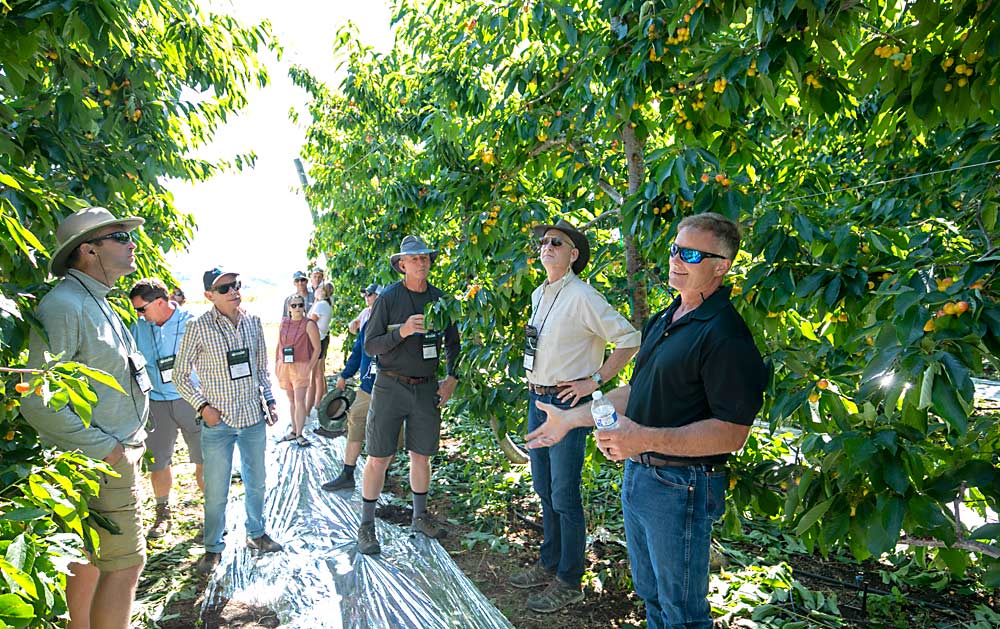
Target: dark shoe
{"x":302,"y":441}
{"x":263,"y":544}
{"x":426,"y":524}
{"x":208,"y":562}
{"x":367,"y":540}
{"x":289,"y":437}
{"x":555,"y":597}
{"x":161,"y":524}
{"x":534,"y":576}
{"x":344,"y":481}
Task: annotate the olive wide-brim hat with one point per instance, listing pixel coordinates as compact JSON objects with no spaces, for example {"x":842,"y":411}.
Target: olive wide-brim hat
{"x":411,"y":246}
{"x":578,"y":237}
{"x":77,"y":228}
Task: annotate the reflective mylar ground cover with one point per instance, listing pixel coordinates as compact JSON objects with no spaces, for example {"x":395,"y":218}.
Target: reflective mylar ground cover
{"x":320,"y":580}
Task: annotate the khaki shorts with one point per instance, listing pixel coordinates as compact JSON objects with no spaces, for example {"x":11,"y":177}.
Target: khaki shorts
{"x":166,"y":418}
{"x":117,"y":500}
{"x":357,"y":416}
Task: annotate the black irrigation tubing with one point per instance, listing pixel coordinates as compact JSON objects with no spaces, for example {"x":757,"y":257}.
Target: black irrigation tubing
{"x":861,"y":585}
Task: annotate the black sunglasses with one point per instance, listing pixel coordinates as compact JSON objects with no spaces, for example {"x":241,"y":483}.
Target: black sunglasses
{"x":142,"y":309}
{"x":298,"y":305}
{"x":121,"y":237}
{"x":692,"y":256}
{"x":222,"y":289}
{"x":300,"y":279}
{"x":555,"y":242}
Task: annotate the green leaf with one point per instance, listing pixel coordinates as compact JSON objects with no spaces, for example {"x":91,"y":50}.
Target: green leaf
{"x":100,"y":376}
{"x":812,"y":516}
{"x":14,"y":611}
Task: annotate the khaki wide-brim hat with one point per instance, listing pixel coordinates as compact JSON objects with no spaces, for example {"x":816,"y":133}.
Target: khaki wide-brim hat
{"x":79,"y":227}
{"x":411,"y":245}
{"x":578,"y":237}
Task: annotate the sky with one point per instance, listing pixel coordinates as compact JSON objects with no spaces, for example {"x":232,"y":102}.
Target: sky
{"x":257,"y":222}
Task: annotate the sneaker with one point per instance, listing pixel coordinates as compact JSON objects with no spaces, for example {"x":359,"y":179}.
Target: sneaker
{"x":555,"y":597}
{"x":263,"y":544}
{"x":161,"y":524}
{"x":344,"y":481}
{"x":208,"y":562}
{"x":426,"y":524}
{"x":367,"y":540}
{"x":534,"y":576}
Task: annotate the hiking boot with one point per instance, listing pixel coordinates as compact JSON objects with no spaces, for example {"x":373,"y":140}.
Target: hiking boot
{"x":367,"y":540}
{"x":208,"y":562}
{"x":344,"y":481}
{"x":426,"y":524}
{"x":161,"y":524}
{"x":263,"y":544}
{"x":534,"y":576}
{"x":555,"y":597}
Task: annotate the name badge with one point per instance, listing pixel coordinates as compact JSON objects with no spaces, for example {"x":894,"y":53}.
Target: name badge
{"x":372,"y":369}
{"x":288,"y":354}
{"x":430,"y":345}
{"x":530,"y":346}
{"x":137,"y":365}
{"x":166,"y":367}
{"x":239,"y":363}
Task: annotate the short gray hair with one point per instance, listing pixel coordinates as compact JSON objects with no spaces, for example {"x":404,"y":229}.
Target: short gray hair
{"x":725,"y":230}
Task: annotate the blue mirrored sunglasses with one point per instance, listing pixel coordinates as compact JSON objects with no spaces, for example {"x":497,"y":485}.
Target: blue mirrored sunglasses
{"x":692,"y":256}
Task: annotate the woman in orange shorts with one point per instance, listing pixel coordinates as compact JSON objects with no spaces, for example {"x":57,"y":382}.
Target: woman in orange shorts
{"x":297,"y":353}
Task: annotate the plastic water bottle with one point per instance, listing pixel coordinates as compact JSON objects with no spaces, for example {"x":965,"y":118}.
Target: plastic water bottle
{"x":605,"y":417}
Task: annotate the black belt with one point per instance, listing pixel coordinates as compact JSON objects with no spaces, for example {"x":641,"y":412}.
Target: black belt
{"x":652,"y":459}
{"x":538,"y":389}
{"x":402,"y":378}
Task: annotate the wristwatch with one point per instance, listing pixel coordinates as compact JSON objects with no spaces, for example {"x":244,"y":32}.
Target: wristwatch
{"x":597,"y":378}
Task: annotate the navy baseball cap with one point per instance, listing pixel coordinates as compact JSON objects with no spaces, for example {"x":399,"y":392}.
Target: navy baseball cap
{"x":211,"y":277}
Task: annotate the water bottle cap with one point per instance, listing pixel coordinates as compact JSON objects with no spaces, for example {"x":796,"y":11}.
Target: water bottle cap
{"x":597,"y":395}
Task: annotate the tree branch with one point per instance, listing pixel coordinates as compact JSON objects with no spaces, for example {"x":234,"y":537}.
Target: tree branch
{"x":961,"y":544}
{"x":598,"y":218}
{"x":611,"y":191}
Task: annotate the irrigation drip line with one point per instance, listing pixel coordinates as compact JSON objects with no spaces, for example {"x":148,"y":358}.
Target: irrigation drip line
{"x":885,"y":182}
{"x":863,"y":587}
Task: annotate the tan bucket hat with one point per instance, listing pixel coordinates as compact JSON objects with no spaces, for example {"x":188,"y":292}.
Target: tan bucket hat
{"x":78,"y":227}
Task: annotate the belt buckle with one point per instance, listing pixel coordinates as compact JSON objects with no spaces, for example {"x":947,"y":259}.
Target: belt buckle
{"x":645,"y":459}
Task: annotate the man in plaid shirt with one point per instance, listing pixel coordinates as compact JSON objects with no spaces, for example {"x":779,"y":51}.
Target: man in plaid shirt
{"x":225,"y":347}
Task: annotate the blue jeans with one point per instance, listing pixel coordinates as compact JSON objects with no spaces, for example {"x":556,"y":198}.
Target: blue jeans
{"x":555,"y":475}
{"x":217,"y":448}
{"x":669,"y":512}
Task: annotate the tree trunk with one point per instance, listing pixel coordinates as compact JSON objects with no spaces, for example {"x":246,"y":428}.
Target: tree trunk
{"x":635,"y":265}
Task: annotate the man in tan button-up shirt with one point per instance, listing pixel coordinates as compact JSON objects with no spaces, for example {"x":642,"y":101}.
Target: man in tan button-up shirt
{"x":571,"y":325}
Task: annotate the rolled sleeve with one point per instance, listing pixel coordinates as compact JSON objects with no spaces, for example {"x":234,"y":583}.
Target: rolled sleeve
{"x":607,"y":323}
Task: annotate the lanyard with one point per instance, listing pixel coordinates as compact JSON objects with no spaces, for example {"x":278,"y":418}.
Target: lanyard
{"x":152,"y":332}
{"x":284,"y":336}
{"x":549,"y":311}
{"x":225,"y":337}
{"x":121,"y":337}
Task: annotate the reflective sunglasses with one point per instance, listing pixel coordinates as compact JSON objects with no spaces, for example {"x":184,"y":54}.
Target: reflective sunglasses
{"x":300,"y":279}
{"x":120,"y":237}
{"x":222,"y":289}
{"x":554,"y":241}
{"x":142,"y":309}
{"x":692,"y":256}
{"x":296,"y":305}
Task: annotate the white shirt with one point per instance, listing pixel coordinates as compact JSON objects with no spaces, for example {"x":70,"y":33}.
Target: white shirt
{"x":324,"y":312}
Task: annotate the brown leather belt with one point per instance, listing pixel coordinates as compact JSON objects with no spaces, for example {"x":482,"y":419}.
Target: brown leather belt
{"x":652,"y":459}
{"x":538,"y":389}
{"x":402,"y":378}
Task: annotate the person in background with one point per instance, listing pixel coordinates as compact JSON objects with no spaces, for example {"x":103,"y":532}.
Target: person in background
{"x":295,"y":356}
{"x":321,"y":312}
{"x":698,"y":383}
{"x":232,"y":394}
{"x":178,"y":296}
{"x":95,"y":249}
{"x":357,"y":363}
{"x":301,"y":283}
{"x":158,"y":334}
{"x":316,"y":280}
{"x":371,"y":290}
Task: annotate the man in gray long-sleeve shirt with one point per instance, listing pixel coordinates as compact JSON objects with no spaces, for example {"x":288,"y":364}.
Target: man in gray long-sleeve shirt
{"x":406,"y":387}
{"x":94,"y":250}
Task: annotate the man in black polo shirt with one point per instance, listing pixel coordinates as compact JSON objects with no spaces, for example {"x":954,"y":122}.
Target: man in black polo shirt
{"x":697,"y":386}
{"x":406,"y":387}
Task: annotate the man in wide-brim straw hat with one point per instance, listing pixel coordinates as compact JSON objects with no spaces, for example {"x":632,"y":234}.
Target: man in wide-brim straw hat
{"x":570,"y":327}
{"x":94,"y":249}
{"x":406,"y":387}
